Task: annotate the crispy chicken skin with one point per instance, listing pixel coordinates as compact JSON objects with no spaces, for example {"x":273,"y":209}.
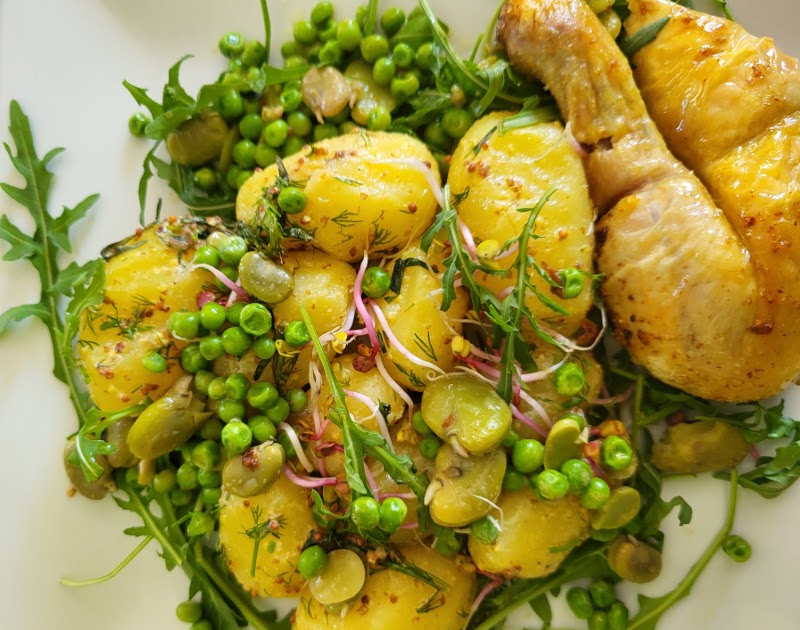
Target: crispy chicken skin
{"x":686,"y":287}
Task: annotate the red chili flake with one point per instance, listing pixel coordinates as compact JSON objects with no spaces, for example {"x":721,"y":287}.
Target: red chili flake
{"x":119,"y":347}
{"x":125,"y":398}
{"x":427,"y":163}
{"x":562,"y":234}
{"x":250,"y":459}
{"x":471,"y":167}
{"x":363,"y":364}
{"x":139,"y":231}
{"x":412,"y":207}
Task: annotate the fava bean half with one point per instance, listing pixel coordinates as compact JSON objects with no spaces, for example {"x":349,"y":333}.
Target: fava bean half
{"x":253,"y":471}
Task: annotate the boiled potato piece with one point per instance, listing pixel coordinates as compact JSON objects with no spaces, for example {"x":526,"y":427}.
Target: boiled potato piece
{"x":324,"y":286}
{"x":275,"y":574}
{"x":536,"y":535}
{"x":144,"y":284}
{"x":699,"y":447}
{"x":370,"y":384}
{"x":417,"y":321}
{"x":365,"y":192}
{"x":390,"y":599}
{"x":513,"y":170}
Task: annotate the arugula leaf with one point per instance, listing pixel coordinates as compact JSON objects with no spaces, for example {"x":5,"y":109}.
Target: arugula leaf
{"x":83,"y":284}
{"x":652,"y":608}
{"x":645,"y":35}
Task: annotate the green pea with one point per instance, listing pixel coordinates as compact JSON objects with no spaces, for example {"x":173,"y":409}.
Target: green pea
{"x":429,"y":446}
{"x":291,"y":99}
{"x":425,"y":57}
{"x":598,"y":620}
{"x":192,"y":359}
{"x":596,"y":495}
{"x":286,"y":443}
{"x":262,"y":427}
{"x":232,"y":249}
{"x":184,"y":325}
{"x":236,"y":341}
{"x":435,"y":136}
{"x":403,"y":55}
{"x":290,"y":48}
{"x":255,"y":319}
{"x":737,"y":548}
{"x":347,"y":127}
{"x":275,"y":133}
{"x":374,"y":47}
{"x":573,"y":281}
{"x":456,"y":122}
{"x":297,"y":400}
{"x":180,"y":497}
{"x":322,"y":11}
{"x":292,"y":200}
{"x":527,"y":455}
{"x":206,"y":455}
{"x":242,"y":178}
{"x":376,"y":282}
{"x":212,"y":315}
{"x":296,"y":333}
{"x":154,"y":362}
{"x":384,"y":70}
{"x":577,"y":417}
{"x":264,"y":347}
{"x":232,"y":175}
{"x":186,"y":476}
{"x":236,"y":386}
{"x":331,"y":53}
{"x":262,"y":395}
{"x":305,"y":32}
{"x":552,"y":484}
{"x":325,"y":131}
{"x":392,"y":20}
{"x":189,"y":611}
{"x":137,"y":124}
{"x":165,"y":480}
{"x":206,"y":255}
{"x":231,"y":105}
{"x":602,"y":593}
{"x":229,"y":410}
{"x":569,"y":379}
{"x":236,"y":436}
{"x":211,"y":496}
{"x":617,"y":616}
{"x":348,"y":34}
{"x":250,"y":127}
{"x":513,"y":480}
{"x":326,"y":32}
{"x":216,"y":389}
{"x":404,"y":87}
{"x":361,"y":15}
{"x":578,"y":473}
{"x":212,"y":428}
{"x":616,"y":453}
{"x":209,"y":478}
{"x":379,"y":119}
{"x":365,"y":513}
{"x":311,"y":561}
{"x":254,"y":53}
{"x":393,"y":513}
{"x":510,"y":439}
{"x":446,"y":542}
{"x":265,"y":155}
{"x":580,"y":602}
{"x":278,"y":412}
{"x":205,"y":179}
{"x":232,"y":44}
{"x":202,"y":380}
{"x":419,"y":425}
{"x":236,"y":66}
{"x":299,"y":123}
{"x":211,"y":347}
{"x":292,"y":145}
{"x":234,"y":313}
{"x":485,"y":530}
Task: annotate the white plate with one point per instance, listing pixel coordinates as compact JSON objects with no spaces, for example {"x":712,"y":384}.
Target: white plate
{"x":65,"y":61}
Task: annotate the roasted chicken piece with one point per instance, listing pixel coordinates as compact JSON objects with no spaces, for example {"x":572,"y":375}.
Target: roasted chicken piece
{"x":708,"y":301}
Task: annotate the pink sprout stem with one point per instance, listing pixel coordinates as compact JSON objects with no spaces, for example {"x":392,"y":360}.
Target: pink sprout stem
{"x":394,"y":385}
{"x":488,"y":370}
{"x":410,"y":525}
{"x":509,"y":252}
{"x":469,"y":240}
{"x":531,"y":377}
{"x":528,"y":421}
{"x":395,"y":343}
{"x":222,"y":278}
{"x":376,"y":413}
{"x":357,"y":332}
{"x":308,"y":482}
{"x":426,"y":171}
{"x":361,"y":307}
{"x":490,"y":586}
{"x":373,"y":485}
{"x":611,"y":400}
{"x":203,"y":298}
{"x":298,"y":446}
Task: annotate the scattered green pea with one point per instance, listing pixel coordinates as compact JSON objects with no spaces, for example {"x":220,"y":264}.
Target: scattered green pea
{"x":236,"y":386}
{"x":596,"y":494}
{"x":419,"y":425}
{"x":598,"y":620}
{"x":137,"y":124}
{"x":456,"y":122}
{"x":236,"y":341}
{"x":299,"y":123}
{"x":292,"y":200}
{"x":291,"y":99}
{"x":229,"y":410}
{"x":580,"y":602}
{"x":616,"y":453}
{"x":296,"y":333}
{"x":192,"y":359}
{"x":376,"y":282}
{"x":527,"y":455}
{"x":552,"y":484}
{"x":406,"y":86}
{"x":255,"y":319}
{"x":297,"y":400}
{"x":392,"y":20}
{"x":348,"y":34}
{"x":485,"y":530}
{"x":206,"y":455}
{"x":211,"y":347}
{"x":234,"y":312}
{"x":578,"y":473}
{"x":211,"y":496}
{"x":202,"y":379}
{"x":365,"y":513}
{"x":262,"y":428}
{"x":573,"y":281}
{"x":617,"y":616}
{"x":305,"y":32}
{"x":265,"y":155}
{"x":212,"y":428}
{"x":189,"y":611}
{"x":154,"y":362}
{"x":275,"y":133}
{"x":184,"y":325}
{"x":165,"y":480}
{"x":513,"y":480}
{"x":216,"y":389}
{"x":331,"y":53}
{"x":212,"y":315}
{"x":262,"y":395}
{"x":737,"y":548}
{"x":384,"y":70}
{"x":231,"y":44}
{"x":250,"y":126}
{"x":602,"y":593}
{"x":264,"y":348}
{"x":325,"y":131}
{"x":186,"y":476}
{"x":180,"y":497}
{"x":232,"y":249}
{"x":278,"y":412}
{"x":236,"y":436}
{"x":569,"y":379}
{"x":379,"y":118}
{"x":311,"y":561}
{"x":209,"y":478}
{"x":429,"y":446}
{"x":231,"y":105}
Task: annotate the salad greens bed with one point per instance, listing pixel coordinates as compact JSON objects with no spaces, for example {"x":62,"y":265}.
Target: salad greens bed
{"x":433,"y":93}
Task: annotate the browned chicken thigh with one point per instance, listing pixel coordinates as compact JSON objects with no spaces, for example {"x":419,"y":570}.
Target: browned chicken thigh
{"x":703,"y":304}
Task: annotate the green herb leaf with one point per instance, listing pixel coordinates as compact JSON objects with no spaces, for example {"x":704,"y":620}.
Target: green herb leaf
{"x":634,"y":43}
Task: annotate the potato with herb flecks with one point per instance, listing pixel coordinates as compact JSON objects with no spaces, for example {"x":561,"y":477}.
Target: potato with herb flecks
{"x":145,"y":282}
{"x":418,"y":323}
{"x":391,"y":599}
{"x":535,"y":536}
{"x":277,"y":523}
{"x":365,"y":191}
{"x":512,"y":169}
